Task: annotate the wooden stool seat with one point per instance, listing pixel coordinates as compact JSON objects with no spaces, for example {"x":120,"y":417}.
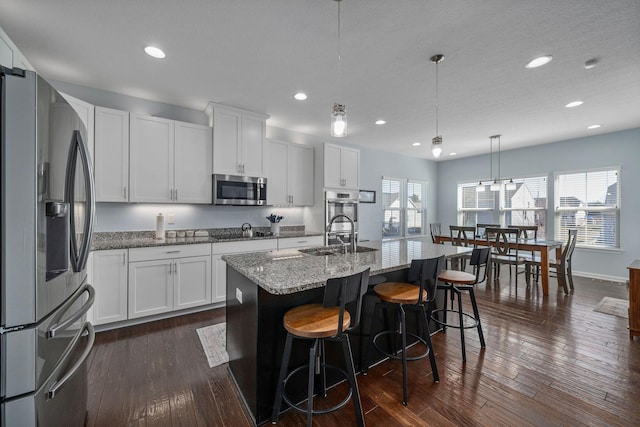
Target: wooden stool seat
{"x":457,"y":277}
{"x":399,"y":293}
{"x":315,"y":321}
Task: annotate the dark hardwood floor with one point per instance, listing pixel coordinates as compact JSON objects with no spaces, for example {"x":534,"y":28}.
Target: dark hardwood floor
{"x":548,"y":361}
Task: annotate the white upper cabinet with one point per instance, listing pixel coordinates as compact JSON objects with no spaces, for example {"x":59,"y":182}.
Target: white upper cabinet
{"x":111,"y":155}
{"x":151,"y":155}
{"x":238,"y":141}
{"x":170,"y":161}
{"x":289,"y":174}
{"x":193,"y":163}
{"x":10,"y":55}
{"x":341,"y":167}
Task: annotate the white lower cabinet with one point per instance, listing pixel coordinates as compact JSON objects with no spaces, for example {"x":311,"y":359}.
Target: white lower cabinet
{"x":109,"y":271}
{"x":168,"y":278}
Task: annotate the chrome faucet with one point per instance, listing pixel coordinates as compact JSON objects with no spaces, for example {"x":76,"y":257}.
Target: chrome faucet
{"x":352,"y":233}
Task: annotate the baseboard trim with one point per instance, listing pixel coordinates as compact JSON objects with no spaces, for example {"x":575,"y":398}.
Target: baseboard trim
{"x":138,"y":321}
{"x":600,"y":276}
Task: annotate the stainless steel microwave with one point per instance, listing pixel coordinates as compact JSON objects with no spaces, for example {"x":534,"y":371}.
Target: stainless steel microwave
{"x":239,"y":190}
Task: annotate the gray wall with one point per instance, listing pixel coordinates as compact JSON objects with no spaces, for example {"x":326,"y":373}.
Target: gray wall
{"x":604,"y":150}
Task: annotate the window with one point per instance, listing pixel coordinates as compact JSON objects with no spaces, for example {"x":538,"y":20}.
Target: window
{"x":590,"y":202}
{"x":404,"y":207}
{"x":526,"y":204}
{"x":475,"y":207}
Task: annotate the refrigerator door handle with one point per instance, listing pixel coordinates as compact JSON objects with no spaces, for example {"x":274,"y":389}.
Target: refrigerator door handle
{"x":56,"y":326}
{"x":51,"y":393}
{"x":80,"y":255}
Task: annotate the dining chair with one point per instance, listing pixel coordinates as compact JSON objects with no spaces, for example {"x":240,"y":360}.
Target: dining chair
{"x":436,"y":229}
{"x":505,"y":250}
{"x":560,"y":268}
{"x":465,"y":237}
{"x":481,"y":229}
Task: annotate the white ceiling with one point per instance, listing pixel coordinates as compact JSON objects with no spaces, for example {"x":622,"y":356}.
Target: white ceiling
{"x":255,"y":54}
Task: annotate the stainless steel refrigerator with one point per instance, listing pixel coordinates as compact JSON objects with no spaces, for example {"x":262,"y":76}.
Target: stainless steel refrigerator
{"x":47,"y":222}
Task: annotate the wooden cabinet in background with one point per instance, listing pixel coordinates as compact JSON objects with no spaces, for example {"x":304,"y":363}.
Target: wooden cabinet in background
{"x":634,"y":299}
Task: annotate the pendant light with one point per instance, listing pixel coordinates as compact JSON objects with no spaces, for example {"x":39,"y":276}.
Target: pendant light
{"x":339,"y":111}
{"x":436,"y":142}
{"x":495,"y":186}
{"x":511,"y":185}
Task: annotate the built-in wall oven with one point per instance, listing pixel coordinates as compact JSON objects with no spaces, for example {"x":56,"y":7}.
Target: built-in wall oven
{"x":340,"y":202}
{"x":239,"y":190}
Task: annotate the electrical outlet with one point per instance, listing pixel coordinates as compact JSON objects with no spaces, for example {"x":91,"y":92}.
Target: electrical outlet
{"x":171,"y":219}
{"x":239,"y":295}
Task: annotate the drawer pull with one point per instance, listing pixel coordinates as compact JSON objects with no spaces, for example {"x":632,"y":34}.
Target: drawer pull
{"x":173,"y":252}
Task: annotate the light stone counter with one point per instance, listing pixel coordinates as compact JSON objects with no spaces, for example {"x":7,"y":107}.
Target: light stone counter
{"x":289,"y":271}
{"x":146,"y":239}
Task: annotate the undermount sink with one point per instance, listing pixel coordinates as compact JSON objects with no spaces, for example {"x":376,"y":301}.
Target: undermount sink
{"x":332,"y":250}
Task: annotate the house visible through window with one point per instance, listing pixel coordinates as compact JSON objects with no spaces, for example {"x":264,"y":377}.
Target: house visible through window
{"x":590,"y":202}
{"x":526,"y":204}
{"x":404,"y":207}
{"x":475,"y":207}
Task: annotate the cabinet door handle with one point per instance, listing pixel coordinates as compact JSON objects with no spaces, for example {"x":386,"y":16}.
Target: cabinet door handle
{"x":175,"y":268}
{"x":176,"y":194}
{"x":172,"y":252}
{"x":124,"y":259}
{"x":169,"y":268}
{"x":125,"y":192}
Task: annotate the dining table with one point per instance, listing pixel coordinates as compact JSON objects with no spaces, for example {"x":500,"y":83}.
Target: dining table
{"x":542,"y":246}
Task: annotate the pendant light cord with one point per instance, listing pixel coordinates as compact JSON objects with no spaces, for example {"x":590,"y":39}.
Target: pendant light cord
{"x":437,"y":134}
{"x":339,"y":52}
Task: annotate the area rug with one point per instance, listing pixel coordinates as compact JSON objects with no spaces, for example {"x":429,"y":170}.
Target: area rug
{"x":213,"y":339}
{"x":615,"y":306}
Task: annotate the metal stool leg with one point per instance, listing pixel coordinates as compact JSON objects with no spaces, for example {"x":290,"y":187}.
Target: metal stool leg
{"x":476,"y":313}
{"x":351,"y":374}
{"x":403,"y":336}
{"x":427,"y":338}
{"x":369,"y":349}
{"x":313,"y":351}
{"x":461,"y":320}
{"x":283,"y":373}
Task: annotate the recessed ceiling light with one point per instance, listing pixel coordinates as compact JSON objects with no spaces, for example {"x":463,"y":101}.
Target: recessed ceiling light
{"x":591,"y":64}
{"x":452,"y":154}
{"x":574,"y":104}
{"x":539,"y":61}
{"x":594,"y":126}
{"x":155,"y":52}
{"x":415,"y":144}
{"x":300,"y":96}
{"x":380,"y":122}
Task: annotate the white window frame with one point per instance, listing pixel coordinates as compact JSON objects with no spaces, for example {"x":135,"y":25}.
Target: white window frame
{"x":476,"y":210}
{"x":403,"y":210}
{"x":559,"y":211}
{"x":503,"y":197}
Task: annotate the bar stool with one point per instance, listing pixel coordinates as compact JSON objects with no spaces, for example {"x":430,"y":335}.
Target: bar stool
{"x":319,"y":322}
{"x":455,"y":282}
{"x":417,"y":295}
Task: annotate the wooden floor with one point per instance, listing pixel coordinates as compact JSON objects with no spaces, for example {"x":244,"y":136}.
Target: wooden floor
{"x":548,"y":362}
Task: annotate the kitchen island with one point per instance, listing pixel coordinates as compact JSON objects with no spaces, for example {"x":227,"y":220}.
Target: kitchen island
{"x":261,"y":287}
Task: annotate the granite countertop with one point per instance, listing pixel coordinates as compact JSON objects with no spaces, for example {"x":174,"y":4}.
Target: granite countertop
{"x":146,"y":239}
{"x":288,"y":271}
